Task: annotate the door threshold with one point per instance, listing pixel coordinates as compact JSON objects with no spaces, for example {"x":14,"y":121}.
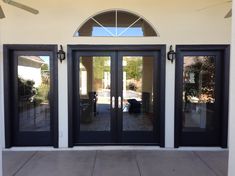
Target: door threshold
{"x":112,"y":148}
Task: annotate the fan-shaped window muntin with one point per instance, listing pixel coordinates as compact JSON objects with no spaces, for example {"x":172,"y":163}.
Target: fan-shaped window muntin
{"x":116,"y":23}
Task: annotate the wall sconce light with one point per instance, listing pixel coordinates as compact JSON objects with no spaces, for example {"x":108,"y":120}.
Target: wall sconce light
{"x":61,"y":54}
{"x":171,"y":55}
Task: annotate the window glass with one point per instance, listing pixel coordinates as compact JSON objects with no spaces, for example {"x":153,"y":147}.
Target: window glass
{"x":138,"y":102}
{"x":116,"y":23}
{"x":140,"y":28}
{"x":124,"y":20}
{"x":34,"y":93}
{"x":198,"y":93}
{"x":95,"y":84}
{"x":92,"y":28}
{"x":107,"y":20}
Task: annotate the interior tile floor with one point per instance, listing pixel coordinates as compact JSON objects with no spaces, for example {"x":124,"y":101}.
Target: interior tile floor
{"x":115,"y":163}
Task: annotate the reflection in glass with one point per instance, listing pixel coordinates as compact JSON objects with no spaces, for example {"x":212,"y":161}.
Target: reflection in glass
{"x":94,"y":83}
{"x":108,"y":21}
{"x":137,"y":93}
{"x":92,"y":28}
{"x":140,"y":28}
{"x":33,"y":93}
{"x":124,"y":20}
{"x":198,"y":92}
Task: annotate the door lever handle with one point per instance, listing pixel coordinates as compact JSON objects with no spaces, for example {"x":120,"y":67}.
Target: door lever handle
{"x":119,"y":102}
{"x":113,"y":102}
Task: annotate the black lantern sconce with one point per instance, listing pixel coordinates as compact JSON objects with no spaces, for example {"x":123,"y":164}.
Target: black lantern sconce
{"x":171,"y":55}
{"x":61,"y":54}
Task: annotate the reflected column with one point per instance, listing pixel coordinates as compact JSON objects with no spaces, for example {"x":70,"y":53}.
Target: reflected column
{"x":95,"y":82}
{"x":147,"y":84}
{"x":88,"y":64}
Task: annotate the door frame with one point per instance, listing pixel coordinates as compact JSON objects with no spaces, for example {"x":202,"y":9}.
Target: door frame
{"x":225,"y":52}
{"x":8,"y":58}
{"x":72,"y":49}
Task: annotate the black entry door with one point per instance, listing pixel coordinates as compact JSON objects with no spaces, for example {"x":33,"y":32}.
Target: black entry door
{"x":116,"y":97}
{"x":31,"y":95}
{"x":138,"y":102}
{"x":95,"y":91}
{"x":201,"y":97}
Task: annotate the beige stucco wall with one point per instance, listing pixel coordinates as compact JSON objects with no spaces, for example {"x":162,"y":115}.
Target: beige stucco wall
{"x":177,"y":21}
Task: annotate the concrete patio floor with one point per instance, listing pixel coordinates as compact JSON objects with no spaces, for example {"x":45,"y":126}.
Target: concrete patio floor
{"x":115,"y":163}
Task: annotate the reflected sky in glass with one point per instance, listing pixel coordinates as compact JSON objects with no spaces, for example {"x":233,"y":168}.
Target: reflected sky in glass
{"x":133,"y":31}
{"x":46,"y":59}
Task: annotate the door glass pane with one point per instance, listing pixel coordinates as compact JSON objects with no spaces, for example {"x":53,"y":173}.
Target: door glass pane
{"x":95,"y":84}
{"x":138,"y":93}
{"x":199,"y":93}
{"x":33,"y":93}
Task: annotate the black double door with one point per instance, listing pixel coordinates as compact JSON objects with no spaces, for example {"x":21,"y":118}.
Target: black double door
{"x":116,"y":97}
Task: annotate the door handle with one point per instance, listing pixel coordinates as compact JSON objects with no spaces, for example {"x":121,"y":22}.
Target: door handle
{"x":119,"y":102}
{"x":113,"y":102}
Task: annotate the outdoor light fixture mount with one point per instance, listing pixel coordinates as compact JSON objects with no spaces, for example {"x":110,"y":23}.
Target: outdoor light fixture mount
{"x":61,"y":54}
{"x":171,"y":55}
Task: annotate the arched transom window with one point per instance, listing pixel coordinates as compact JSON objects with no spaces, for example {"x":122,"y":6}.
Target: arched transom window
{"x":116,"y":23}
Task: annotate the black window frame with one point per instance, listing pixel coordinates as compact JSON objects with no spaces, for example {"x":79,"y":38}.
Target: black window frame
{"x":8,"y":56}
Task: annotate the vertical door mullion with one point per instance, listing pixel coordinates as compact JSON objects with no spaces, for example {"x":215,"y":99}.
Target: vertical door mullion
{"x":156,"y":95}
{"x":180,"y":96}
{"x":16,"y":99}
{"x":77,"y":96}
{"x":51,"y":104}
{"x":218,"y":91}
{"x":113,"y":93}
{"x":119,"y":77}
{"x":179,"y":86}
